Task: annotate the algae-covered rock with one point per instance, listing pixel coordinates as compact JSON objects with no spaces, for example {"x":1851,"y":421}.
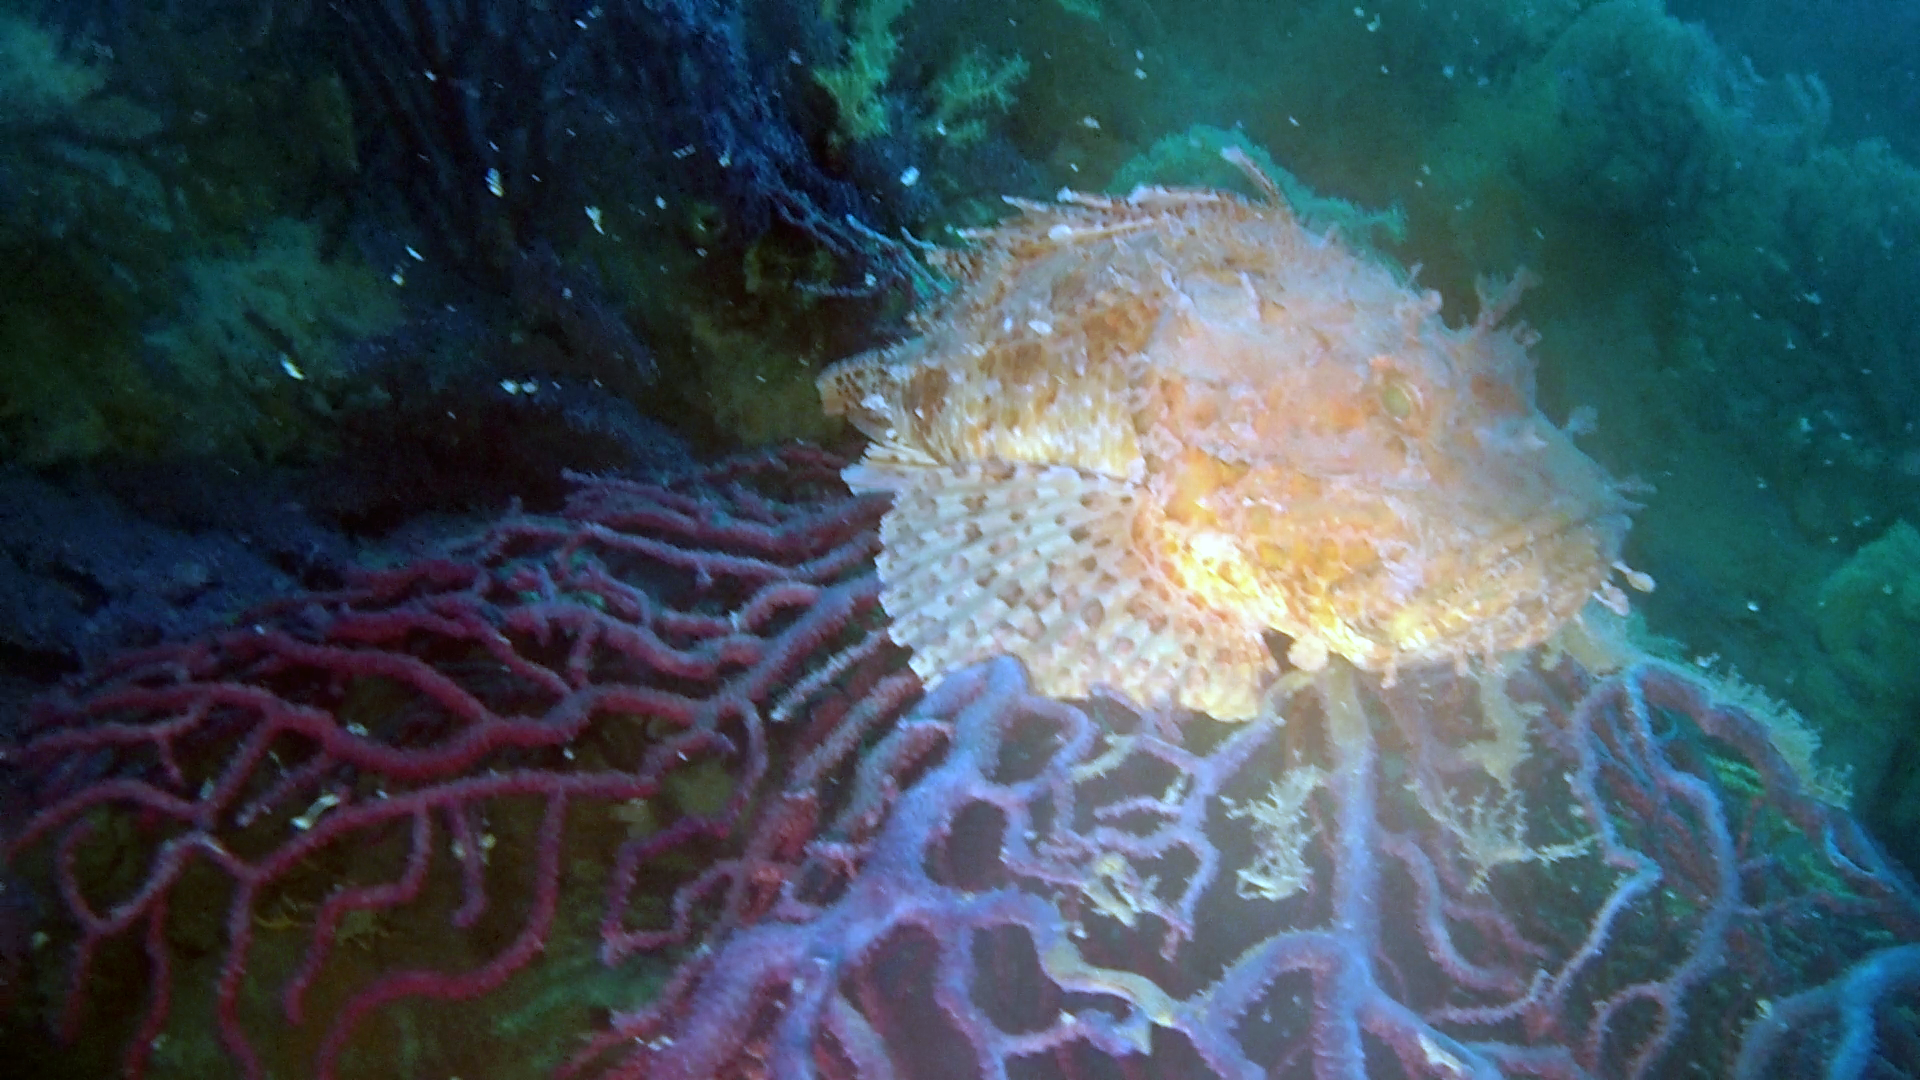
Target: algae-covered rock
{"x":1869,"y":620}
{"x":256,"y":347}
{"x":39,"y":82}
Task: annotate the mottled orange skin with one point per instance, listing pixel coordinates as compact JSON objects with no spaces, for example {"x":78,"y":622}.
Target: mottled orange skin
{"x":1315,"y":451}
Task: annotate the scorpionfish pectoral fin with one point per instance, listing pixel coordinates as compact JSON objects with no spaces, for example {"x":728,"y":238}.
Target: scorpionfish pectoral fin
{"x":1042,"y":562}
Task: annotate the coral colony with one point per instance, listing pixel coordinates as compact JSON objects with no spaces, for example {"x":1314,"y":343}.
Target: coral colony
{"x":662,"y":744}
{"x":407,"y":750}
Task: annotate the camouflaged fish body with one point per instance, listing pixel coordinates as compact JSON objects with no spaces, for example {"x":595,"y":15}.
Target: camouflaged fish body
{"x":1143,"y":432}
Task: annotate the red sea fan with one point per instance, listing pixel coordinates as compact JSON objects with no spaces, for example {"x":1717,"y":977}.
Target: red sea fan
{"x":413,"y":788}
{"x":643,"y":791}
